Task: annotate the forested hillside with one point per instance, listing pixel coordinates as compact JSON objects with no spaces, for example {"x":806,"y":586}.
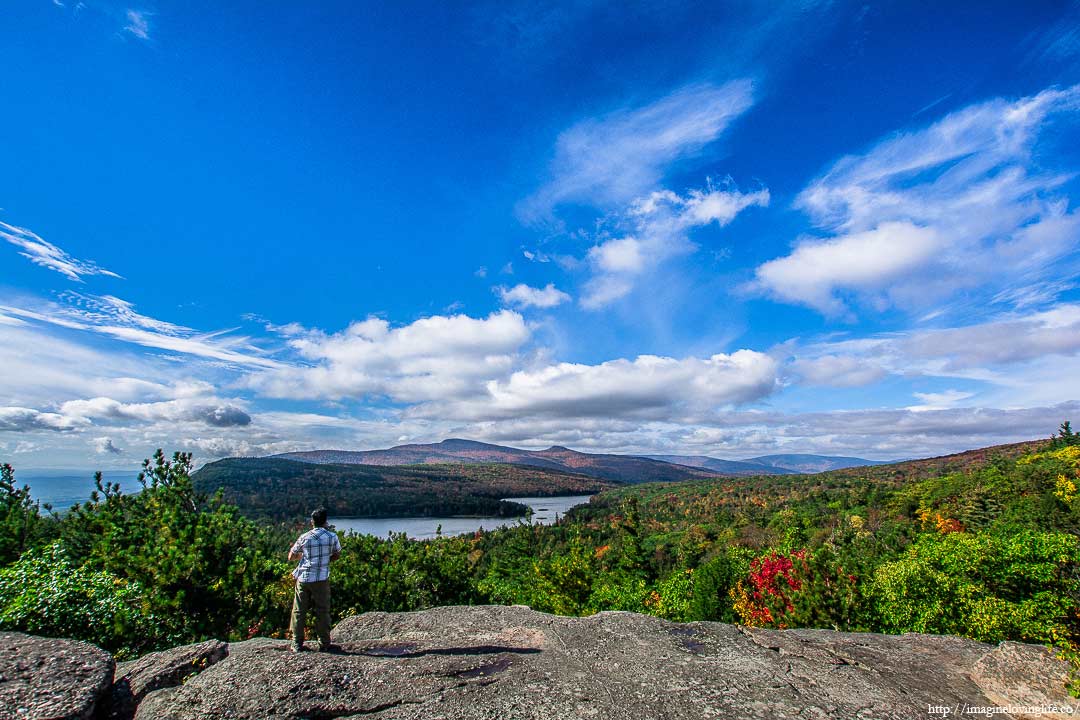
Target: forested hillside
{"x":281,"y":489}
{"x":616,"y":468}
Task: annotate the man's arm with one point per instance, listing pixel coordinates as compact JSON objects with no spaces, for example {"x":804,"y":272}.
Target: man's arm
{"x":296,"y":552}
{"x":335,"y":552}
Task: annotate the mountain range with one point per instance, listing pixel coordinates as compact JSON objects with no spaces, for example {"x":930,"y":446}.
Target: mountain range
{"x":770,"y":464}
{"x":620,"y":468}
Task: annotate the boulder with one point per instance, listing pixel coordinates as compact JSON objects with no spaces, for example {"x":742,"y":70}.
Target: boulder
{"x":157,"y":670}
{"x":501,"y":663}
{"x":45,"y":678}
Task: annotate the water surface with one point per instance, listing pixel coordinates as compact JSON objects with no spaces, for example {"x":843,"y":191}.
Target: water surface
{"x":545,"y":512}
{"x":64,"y":488}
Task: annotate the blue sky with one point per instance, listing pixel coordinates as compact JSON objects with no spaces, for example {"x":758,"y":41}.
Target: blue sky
{"x":706,"y":228}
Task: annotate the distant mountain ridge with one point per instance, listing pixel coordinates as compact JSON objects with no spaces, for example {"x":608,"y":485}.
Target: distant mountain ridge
{"x":620,"y":468}
{"x":814,"y":463}
{"x":771,"y":464}
{"x":722,"y":467}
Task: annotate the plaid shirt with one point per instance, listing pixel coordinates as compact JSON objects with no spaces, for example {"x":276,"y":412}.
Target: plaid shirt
{"x":317,"y":545}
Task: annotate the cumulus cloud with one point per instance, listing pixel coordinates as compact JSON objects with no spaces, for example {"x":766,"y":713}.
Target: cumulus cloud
{"x":860,"y":261}
{"x":219,"y":447}
{"x":105,"y":446}
{"x":957,"y":205}
{"x":21,"y":419}
{"x":41,"y":252}
{"x":434,"y":357}
{"x":202,"y":410}
{"x":646,"y":387}
{"x":613,"y":159}
{"x":524,"y":296}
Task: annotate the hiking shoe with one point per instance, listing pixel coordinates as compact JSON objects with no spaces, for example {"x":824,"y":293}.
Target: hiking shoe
{"x":331,"y":648}
{"x":293,"y":647}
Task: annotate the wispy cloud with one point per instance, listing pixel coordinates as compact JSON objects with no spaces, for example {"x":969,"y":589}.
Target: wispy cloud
{"x":1001,"y":351}
{"x":615,"y":165}
{"x":655,"y":228}
{"x":138,"y":24}
{"x":610,"y":160}
{"x":116,"y":318}
{"x":41,"y":252}
{"x":959,"y":205}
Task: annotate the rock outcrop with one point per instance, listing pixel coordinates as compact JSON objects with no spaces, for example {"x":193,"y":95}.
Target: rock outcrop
{"x":502,"y":663}
{"x":136,"y":679}
{"x":498,"y":663}
{"x":56,"y":679}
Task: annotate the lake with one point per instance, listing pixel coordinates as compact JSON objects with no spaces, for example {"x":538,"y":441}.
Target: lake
{"x":64,"y":488}
{"x":545,"y":512}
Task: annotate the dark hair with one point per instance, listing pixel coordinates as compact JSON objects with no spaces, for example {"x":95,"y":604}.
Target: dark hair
{"x":318,"y":516}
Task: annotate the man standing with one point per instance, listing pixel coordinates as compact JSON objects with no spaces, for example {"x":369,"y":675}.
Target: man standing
{"x":315,"y":550}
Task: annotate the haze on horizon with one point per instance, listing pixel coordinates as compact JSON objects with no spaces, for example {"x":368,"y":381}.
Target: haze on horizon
{"x":725,"y":229}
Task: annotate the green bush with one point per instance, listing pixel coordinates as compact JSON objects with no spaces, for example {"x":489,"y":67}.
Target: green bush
{"x":990,"y":587}
{"x":46,"y":594}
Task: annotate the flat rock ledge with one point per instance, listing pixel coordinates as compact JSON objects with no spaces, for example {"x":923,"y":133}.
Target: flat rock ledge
{"x":499,"y":663}
{"x":47,"y":678}
{"x":504,"y":663}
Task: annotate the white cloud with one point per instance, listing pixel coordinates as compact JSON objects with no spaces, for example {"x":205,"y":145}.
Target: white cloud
{"x":612,"y":159}
{"x":434,"y":357}
{"x":647,"y":387}
{"x":21,"y":419}
{"x":939,"y":401}
{"x":105,"y":446}
{"x":138,"y":24}
{"x":623,"y":255}
{"x":658,"y":225}
{"x":958,"y":205}
{"x":110,"y":310}
{"x":838,"y":371}
{"x":209,"y":411}
{"x":859,"y":261}
{"x":219,"y":447}
{"x":698,"y":207}
{"x":523,"y":296}
{"x":604,"y":289}
{"x":1005,"y":340}
{"x":116,"y":318}
{"x":616,"y":164}
{"x":44,"y":253}
{"x":1016,"y":358}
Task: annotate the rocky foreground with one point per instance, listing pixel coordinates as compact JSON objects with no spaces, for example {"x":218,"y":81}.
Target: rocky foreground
{"x":500,"y":663}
